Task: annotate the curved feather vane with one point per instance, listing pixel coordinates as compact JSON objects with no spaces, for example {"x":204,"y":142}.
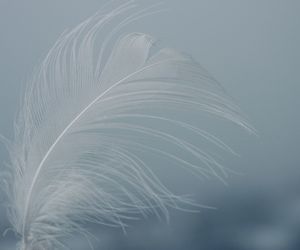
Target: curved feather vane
{"x":91,"y":115}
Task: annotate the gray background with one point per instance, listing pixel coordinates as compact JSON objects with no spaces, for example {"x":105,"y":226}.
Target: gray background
{"x":251,"y":47}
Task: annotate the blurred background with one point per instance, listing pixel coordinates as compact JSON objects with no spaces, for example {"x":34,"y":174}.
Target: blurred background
{"x":252,"y":48}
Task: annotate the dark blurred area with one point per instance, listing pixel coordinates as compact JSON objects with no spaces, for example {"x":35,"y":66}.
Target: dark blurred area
{"x":244,"y":220}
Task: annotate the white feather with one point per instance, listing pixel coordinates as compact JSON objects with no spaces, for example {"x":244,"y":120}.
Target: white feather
{"x":89,"y":115}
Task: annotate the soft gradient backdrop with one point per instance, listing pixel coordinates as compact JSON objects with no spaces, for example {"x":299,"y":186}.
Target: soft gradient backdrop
{"x":252,"y":48}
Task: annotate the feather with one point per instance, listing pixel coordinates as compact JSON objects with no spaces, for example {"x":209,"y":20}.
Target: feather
{"x":91,"y":114}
